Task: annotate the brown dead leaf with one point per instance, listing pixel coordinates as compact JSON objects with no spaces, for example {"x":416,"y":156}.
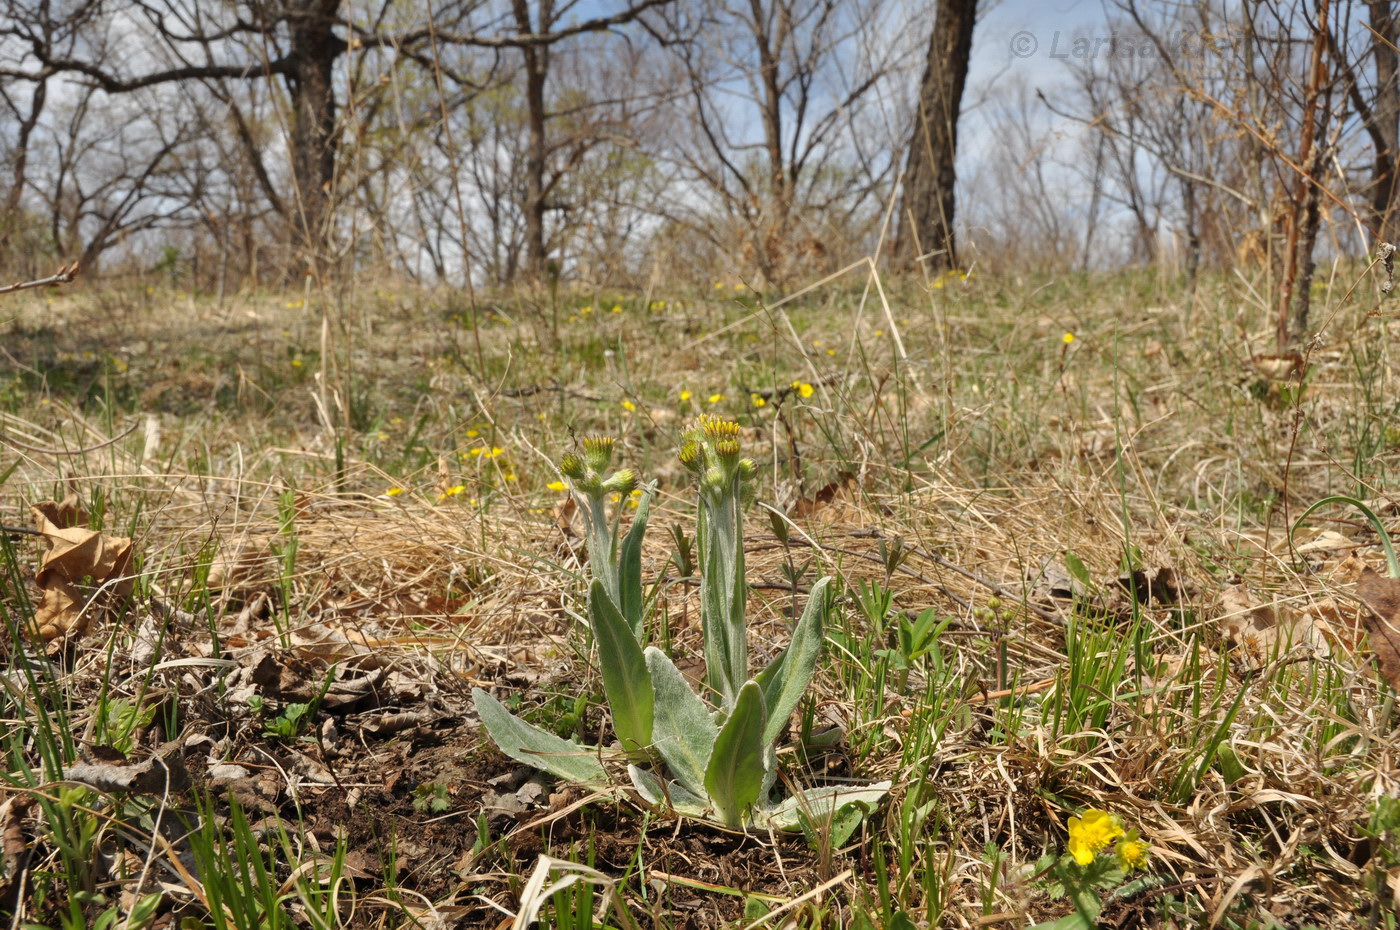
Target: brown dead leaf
{"x":74,"y":553}
{"x":1382,"y":595}
{"x":66,"y":513}
{"x":846,"y":486}
{"x":1259,"y":633}
{"x":1286,"y":367}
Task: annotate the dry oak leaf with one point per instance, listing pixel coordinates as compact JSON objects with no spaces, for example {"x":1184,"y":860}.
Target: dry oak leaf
{"x":74,"y":553}
{"x":1382,"y":595}
{"x":1258,"y":633}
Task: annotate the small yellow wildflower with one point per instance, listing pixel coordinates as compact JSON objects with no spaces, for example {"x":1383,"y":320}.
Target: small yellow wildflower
{"x":495,"y":452}
{"x":1092,"y":833}
{"x":830,"y":351}
{"x":1067,"y":338}
{"x":294,"y":305}
{"x":629,"y":406}
{"x":716,"y":398}
{"x":719,"y":285}
{"x":938,"y":284}
{"x":1132,"y":852}
{"x":635,"y":498}
{"x":296,"y":363}
{"x":739,"y":285}
{"x":383,"y":436}
{"x":685,"y":395}
{"x":879,"y":333}
{"x":557,"y":486}
{"x":455,"y":490}
{"x":472,"y":434}
{"x":617,"y":308}
{"x":758,"y":400}
{"x":585,"y":310}
{"x":395,"y":421}
{"x":393,"y":492}
{"x":803,"y":389}
{"x":510,"y":476}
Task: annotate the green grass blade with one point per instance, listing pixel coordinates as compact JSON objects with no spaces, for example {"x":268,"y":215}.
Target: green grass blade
{"x":1392,"y":564}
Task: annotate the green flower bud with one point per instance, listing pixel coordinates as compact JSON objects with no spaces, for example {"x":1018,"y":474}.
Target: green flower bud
{"x":597,"y":452}
{"x":714,"y":479}
{"x":622,"y":482}
{"x":573,"y":468}
{"x":691,"y":456}
{"x":747,"y":469}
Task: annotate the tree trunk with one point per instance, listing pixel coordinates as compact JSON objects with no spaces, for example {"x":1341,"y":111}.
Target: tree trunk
{"x":536,"y":145}
{"x":926,"y":219}
{"x":12,"y":219}
{"x":1387,"y":116}
{"x":314,"y":50}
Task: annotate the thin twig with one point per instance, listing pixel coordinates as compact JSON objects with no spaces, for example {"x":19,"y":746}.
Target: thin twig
{"x":64,"y":275}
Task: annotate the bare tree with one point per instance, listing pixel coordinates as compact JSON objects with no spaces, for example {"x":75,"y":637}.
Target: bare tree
{"x":926,"y":219}
{"x":772,"y":89}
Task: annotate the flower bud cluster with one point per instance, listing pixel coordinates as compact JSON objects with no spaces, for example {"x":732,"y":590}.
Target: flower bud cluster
{"x":711,"y":450}
{"x":587,"y":471}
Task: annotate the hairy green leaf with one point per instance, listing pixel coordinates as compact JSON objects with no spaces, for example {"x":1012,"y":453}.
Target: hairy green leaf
{"x":785,"y":681}
{"x":625,"y":678}
{"x":683,"y":732}
{"x":629,"y":568}
{"x":530,"y":745}
{"x":734,"y":777}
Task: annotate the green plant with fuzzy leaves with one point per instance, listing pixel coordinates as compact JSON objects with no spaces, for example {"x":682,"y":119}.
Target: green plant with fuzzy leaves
{"x":720,"y":755}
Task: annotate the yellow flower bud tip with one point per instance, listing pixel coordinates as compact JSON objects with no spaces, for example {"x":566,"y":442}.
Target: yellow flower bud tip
{"x":716,"y":429}
{"x":727,"y":449}
{"x":572,"y":467}
{"x":597,"y":452}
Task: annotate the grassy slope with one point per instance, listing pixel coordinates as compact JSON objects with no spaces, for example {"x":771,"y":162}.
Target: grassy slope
{"x":955,"y":474}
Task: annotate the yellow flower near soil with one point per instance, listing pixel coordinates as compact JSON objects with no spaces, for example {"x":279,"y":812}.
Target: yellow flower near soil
{"x":393,"y":492}
{"x":1132,"y":852}
{"x":758,"y":400}
{"x":803,"y":389}
{"x":557,"y":486}
{"x":1067,"y":338}
{"x":686,"y":395}
{"x":1091,"y":834}
{"x":629,"y":406}
{"x":716,"y":398}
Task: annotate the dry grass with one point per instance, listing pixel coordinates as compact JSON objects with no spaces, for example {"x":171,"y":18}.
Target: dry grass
{"x":1148,"y":443}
